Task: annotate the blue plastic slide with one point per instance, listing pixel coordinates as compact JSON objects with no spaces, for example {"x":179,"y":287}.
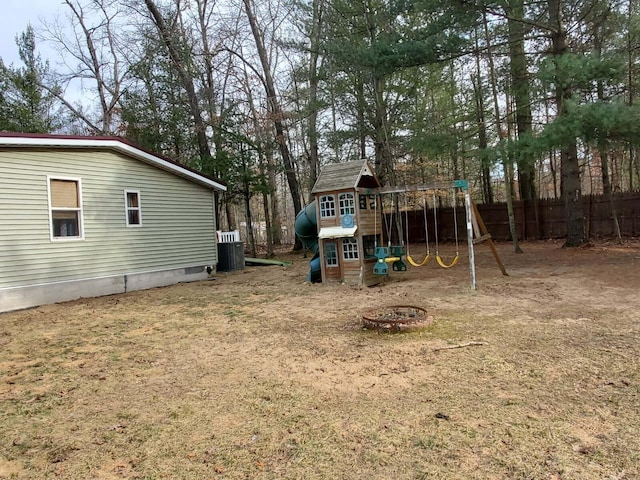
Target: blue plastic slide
{"x":306,"y":227}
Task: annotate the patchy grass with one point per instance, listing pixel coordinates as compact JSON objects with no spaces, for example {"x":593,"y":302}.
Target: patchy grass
{"x":257,"y":375}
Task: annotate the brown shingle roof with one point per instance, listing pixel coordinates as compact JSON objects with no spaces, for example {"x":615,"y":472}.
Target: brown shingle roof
{"x":343,"y":176}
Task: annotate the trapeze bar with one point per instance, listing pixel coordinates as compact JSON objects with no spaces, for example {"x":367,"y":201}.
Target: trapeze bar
{"x":462,"y":184}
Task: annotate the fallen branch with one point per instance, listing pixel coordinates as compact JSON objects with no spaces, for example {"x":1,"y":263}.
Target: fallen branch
{"x":451,"y":347}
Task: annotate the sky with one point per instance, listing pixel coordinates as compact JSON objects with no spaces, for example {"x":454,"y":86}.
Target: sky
{"x":15,"y":15}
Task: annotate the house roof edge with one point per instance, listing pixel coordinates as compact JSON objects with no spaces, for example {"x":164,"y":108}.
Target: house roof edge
{"x":122,"y":145}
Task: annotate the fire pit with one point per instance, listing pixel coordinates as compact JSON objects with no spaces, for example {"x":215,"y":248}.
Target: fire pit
{"x":396,"y":318}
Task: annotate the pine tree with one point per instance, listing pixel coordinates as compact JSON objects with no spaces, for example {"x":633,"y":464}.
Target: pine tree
{"x":25,"y":106}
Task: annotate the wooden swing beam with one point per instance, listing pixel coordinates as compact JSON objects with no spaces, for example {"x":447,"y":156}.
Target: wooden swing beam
{"x":404,"y":188}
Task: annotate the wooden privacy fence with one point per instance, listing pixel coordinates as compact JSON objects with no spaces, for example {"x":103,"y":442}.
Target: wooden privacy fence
{"x":542,"y":221}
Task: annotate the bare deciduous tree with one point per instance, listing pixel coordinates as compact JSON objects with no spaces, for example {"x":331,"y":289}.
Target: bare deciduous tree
{"x":91,"y":48}
{"x":275,"y":109}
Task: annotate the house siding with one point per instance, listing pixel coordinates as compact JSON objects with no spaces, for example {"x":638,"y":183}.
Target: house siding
{"x":178,"y":218}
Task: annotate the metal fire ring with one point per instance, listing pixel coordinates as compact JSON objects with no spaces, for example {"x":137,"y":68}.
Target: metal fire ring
{"x":396,"y":318}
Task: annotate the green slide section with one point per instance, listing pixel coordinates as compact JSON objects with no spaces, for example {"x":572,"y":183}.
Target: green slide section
{"x":306,"y":227}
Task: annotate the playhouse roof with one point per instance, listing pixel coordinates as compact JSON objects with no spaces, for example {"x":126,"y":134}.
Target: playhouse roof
{"x":117,"y":144}
{"x":343,"y":176}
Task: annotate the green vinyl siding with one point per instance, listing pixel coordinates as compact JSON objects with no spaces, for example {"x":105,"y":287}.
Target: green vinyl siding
{"x":178,"y":226}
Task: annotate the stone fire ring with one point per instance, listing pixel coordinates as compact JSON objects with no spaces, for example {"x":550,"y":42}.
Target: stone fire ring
{"x":396,"y":318}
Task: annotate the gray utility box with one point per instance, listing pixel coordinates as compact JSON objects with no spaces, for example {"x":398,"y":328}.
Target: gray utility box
{"x":230,"y":256}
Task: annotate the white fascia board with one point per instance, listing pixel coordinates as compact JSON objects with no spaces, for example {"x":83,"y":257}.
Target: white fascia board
{"x":114,"y":144}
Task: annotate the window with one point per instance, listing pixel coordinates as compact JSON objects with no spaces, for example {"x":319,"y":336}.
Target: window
{"x":132,"y":208}
{"x":65,"y":208}
{"x":369,"y":245}
{"x":350,"y":249}
{"x":363,"y":202}
{"x":347,"y":204}
{"x":331,"y":254}
{"x":327,"y":206}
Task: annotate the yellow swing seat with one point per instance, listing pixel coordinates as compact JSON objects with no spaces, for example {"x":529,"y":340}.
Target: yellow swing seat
{"x":418,"y":264}
{"x":444,"y":265}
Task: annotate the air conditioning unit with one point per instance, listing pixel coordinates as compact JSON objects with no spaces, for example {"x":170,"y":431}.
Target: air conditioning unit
{"x":230,"y":256}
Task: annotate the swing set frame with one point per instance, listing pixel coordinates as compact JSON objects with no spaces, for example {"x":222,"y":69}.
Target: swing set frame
{"x":473,"y":223}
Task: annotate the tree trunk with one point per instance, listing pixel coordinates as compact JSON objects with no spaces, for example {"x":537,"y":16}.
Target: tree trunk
{"x":630,"y":84}
{"x":264,"y":167}
{"x":362,"y":129}
{"x":268,"y":170}
{"x":334,"y":120}
{"x":485,"y":166}
{"x":208,"y":90}
{"x":246,"y":191}
{"x":454,"y":127}
{"x":276,"y":220}
{"x":276,"y":112}
{"x":383,"y":160}
{"x":603,"y":147}
{"x":572,"y":195}
{"x":96,"y":56}
{"x":267,"y":224}
{"x":513,"y":228}
{"x":232,"y":223}
{"x":186,"y":78}
{"x":314,"y":162}
{"x":570,"y":184}
{"x":521,"y":95}
{"x":507,"y":161}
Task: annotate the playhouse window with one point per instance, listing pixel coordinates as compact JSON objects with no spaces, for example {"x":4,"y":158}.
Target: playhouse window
{"x":331,"y":254}
{"x":133,"y":212}
{"x":350,"y":249}
{"x":65,"y":208}
{"x":347,"y":204}
{"x":363,"y":202}
{"x":327,"y":206}
{"x":369,"y":246}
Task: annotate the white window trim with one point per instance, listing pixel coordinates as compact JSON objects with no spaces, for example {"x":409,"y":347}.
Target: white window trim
{"x":335,"y":257}
{"x":350,"y":241}
{"x":350,"y":204}
{"x":127,"y":208}
{"x":323,"y":207}
{"x":81,"y":209}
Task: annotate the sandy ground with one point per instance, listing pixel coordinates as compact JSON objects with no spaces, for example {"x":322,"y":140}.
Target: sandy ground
{"x":258,"y":374}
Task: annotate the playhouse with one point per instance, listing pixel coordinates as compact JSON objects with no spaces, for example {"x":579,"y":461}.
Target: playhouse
{"x":346,"y":223}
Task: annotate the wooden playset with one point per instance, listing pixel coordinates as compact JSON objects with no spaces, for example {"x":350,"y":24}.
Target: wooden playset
{"x":344,"y":226}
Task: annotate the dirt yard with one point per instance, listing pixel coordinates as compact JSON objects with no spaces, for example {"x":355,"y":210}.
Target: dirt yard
{"x":258,"y":375}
